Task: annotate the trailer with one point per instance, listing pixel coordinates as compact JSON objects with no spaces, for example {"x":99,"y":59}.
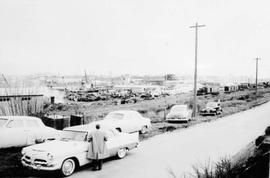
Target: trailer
{"x":230,"y":88}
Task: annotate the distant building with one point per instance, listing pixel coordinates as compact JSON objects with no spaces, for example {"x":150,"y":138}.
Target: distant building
{"x":155,"y":80}
{"x":170,"y":77}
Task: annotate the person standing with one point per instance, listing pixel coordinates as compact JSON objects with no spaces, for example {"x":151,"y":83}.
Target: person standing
{"x":97,"y":150}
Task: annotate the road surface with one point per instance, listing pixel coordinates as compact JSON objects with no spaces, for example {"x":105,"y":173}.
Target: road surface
{"x":179,"y":150}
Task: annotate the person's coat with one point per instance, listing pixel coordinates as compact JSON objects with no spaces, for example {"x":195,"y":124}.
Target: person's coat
{"x":97,"y":145}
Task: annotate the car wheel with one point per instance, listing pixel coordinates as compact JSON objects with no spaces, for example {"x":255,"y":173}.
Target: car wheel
{"x":68,"y":167}
{"x":122,"y":153}
{"x":143,"y":130}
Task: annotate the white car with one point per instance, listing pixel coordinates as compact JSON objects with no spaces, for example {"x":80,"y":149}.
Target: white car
{"x":70,"y":152}
{"x":179,"y":113}
{"x":19,"y":131}
{"x":127,"y":121}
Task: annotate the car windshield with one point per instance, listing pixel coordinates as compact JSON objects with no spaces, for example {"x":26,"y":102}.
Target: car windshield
{"x":178,"y":108}
{"x":211,"y":105}
{"x":2,"y":122}
{"x":115,"y":116}
{"x":73,"y":135}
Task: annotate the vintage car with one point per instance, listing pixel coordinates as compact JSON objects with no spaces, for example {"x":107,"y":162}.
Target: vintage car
{"x":69,"y":152}
{"x":127,"y":121}
{"x":179,"y":113}
{"x":19,"y":131}
{"x":211,"y":108}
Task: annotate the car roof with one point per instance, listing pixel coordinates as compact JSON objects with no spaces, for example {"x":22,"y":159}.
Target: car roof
{"x":180,"y":106}
{"x":125,"y":111}
{"x":18,"y":117}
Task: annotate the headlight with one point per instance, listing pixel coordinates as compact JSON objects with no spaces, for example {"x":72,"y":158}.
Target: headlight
{"x":23,"y":151}
{"x":50,"y":156}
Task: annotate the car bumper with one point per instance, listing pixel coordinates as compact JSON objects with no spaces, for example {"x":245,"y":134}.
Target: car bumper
{"x":177,"y":119}
{"x":207,"y":113}
{"x":43,"y":167}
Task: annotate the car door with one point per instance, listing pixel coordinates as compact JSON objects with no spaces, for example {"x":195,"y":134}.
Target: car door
{"x":33,"y":131}
{"x":122,"y":123}
{"x":112,"y":142}
{"x":137,"y":122}
{"x":15,"y":134}
{"x":130,"y":123}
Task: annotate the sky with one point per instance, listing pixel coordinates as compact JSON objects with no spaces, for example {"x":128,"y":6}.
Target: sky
{"x":141,"y":37}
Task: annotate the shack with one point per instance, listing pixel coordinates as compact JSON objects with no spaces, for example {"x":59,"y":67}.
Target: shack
{"x":230,"y":88}
{"x":20,"y":104}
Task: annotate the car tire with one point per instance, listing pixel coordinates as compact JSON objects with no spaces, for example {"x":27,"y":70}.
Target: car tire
{"x":68,"y":167}
{"x":122,"y":153}
{"x":143,"y":130}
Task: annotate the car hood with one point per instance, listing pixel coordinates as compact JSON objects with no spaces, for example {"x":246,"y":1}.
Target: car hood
{"x":59,"y":147}
{"x":171,"y":115}
{"x":208,"y":109}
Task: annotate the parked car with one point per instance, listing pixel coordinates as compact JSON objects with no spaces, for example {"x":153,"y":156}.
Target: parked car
{"x":18,"y":131}
{"x":69,"y":152}
{"x":147,"y":96}
{"x":211,"y":108}
{"x":179,"y":113}
{"x":202,"y":91}
{"x":127,"y":121}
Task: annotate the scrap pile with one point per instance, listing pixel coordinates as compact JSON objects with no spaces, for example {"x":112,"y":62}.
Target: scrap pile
{"x":126,"y":96}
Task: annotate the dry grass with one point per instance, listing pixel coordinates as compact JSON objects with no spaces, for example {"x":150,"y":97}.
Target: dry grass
{"x":221,"y":169}
{"x":157,"y":109}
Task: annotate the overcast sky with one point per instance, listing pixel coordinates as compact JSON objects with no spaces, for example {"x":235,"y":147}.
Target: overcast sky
{"x":134,"y":36}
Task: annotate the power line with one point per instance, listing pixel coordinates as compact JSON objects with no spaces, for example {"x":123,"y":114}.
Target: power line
{"x":195,"y":72}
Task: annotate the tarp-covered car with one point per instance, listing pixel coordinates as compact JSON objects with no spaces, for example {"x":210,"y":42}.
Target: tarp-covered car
{"x":211,"y":108}
{"x":19,"y":131}
{"x":179,"y":113}
{"x":70,"y":152}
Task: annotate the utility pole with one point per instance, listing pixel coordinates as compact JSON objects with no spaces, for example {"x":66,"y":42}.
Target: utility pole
{"x":257,"y":59}
{"x":86,"y":78}
{"x":195,"y":72}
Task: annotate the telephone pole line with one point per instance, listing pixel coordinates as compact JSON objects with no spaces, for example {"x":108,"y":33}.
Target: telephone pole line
{"x":257,"y":59}
{"x":195,"y":72}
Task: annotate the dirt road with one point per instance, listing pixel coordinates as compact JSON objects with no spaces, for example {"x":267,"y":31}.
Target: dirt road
{"x":179,"y":150}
